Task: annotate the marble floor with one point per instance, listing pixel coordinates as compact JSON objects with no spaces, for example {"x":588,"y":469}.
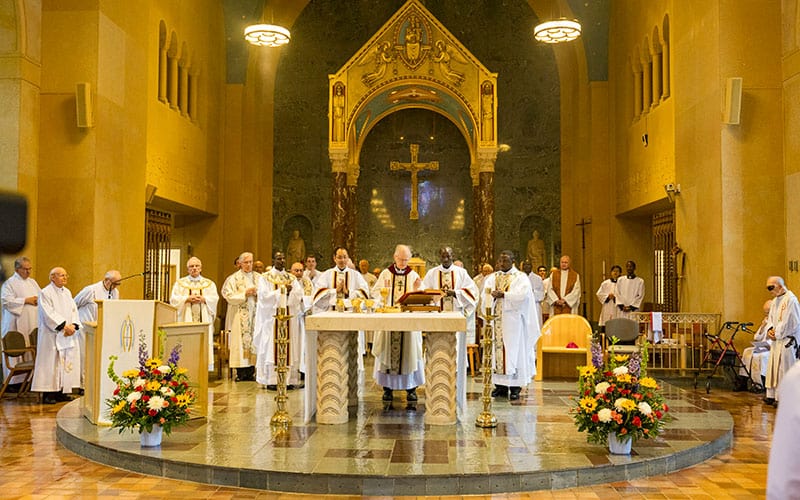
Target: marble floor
{"x":34,"y":465}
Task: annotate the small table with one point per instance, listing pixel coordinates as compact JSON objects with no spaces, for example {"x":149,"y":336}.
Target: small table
{"x":333,"y":334}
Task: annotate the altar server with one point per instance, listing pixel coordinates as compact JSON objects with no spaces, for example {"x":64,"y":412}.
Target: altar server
{"x":607,"y":295}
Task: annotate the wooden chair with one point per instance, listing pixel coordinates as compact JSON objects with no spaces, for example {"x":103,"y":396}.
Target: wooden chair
{"x":14,"y":345}
{"x":553,"y":357}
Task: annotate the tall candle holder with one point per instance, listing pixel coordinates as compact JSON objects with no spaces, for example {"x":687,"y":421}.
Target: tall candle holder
{"x":486,"y":419}
{"x":281,"y":418}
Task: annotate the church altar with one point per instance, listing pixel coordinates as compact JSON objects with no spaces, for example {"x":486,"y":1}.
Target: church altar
{"x":332,"y":382}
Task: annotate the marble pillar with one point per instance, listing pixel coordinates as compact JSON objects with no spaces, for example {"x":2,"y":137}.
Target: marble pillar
{"x":339,"y":198}
{"x":483,"y":251}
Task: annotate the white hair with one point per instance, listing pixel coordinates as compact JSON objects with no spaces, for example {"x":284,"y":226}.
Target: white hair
{"x":245,"y":254}
{"x":402,"y":248}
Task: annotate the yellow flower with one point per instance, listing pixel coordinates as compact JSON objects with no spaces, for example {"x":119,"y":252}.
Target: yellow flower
{"x":181,"y":371}
{"x":130,"y":373}
{"x":587,"y":371}
{"x":153,"y":385}
{"x":625,"y":404}
{"x":119,"y":406}
{"x":588,"y":404}
{"x":625,"y":378}
{"x":183,"y":399}
{"x":620,"y":358}
{"x":153,"y":363}
{"x":648,"y":382}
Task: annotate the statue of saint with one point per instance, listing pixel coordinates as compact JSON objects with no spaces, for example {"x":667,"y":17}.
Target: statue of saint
{"x":296,"y":249}
{"x":535,"y":253}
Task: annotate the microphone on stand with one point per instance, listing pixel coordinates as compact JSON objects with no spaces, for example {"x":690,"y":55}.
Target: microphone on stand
{"x":143,"y":273}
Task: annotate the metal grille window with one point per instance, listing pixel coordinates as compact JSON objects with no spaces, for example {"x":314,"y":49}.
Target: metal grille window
{"x":158,"y":229}
{"x":665,"y":276}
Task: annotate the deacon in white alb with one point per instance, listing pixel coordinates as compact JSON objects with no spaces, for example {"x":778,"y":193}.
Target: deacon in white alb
{"x":196,"y":298}
{"x":86,"y":301}
{"x":58,"y":363}
{"x":20,"y":295}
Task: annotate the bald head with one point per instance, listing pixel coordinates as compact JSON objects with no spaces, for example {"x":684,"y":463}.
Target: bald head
{"x":58,"y":276}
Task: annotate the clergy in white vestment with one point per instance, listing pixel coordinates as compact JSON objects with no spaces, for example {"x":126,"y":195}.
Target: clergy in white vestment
{"x":607,"y":295}
{"x":460,"y":295}
{"x":311,"y":271}
{"x":275,"y":289}
{"x":86,"y":301}
{"x":196,"y":298}
{"x":630,"y":291}
{"x":784,"y":331}
{"x":239,"y":291}
{"x":341,"y":283}
{"x":537,"y":287}
{"x":58,"y":363}
{"x":783,"y":480}
{"x":19,"y":296}
{"x":756,"y":357}
{"x":565,"y":289}
{"x":398,"y":355}
{"x":545,"y":304}
{"x":306,"y":286}
{"x":516,"y":330}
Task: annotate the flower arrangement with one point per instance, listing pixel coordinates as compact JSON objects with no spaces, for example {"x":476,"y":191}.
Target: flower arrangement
{"x":617,"y":396}
{"x":155,"y":393}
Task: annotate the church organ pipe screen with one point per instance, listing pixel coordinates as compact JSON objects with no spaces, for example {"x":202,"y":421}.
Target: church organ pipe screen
{"x":158,"y":229}
{"x":665,"y":276}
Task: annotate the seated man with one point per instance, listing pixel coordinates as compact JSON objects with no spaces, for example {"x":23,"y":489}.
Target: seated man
{"x":755,"y":358}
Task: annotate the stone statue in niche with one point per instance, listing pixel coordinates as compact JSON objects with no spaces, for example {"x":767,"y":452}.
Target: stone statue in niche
{"x":487,"y":111}
{"x":296,"y":248}
{"x":535,"y":253}
{"x":338,"y":112}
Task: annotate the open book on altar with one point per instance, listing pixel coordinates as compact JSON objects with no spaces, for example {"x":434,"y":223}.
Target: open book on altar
{"x":421,"y":300}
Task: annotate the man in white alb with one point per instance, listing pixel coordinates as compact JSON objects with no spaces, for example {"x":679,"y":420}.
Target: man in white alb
{"x":565,"y":289}
{"x":58,"y":363}
{"x":516,"y":329}
{"x":607,"y":295}
{"x":106,"y":289}
{"x":196,"y":298}
{"x":20,"y":295}
{"x":630,"y":291}
{"x":240,"y":292}
{"x":398,"y":355}
{"x":461,"y":295}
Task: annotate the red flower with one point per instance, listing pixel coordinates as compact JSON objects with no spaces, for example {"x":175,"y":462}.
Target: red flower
{"x":610,"y":388}
{"x":174,"y":383}
{"x":162,"y":420}
{"x":658,"y":414}
{"x":133,"y":407}
{"x":587,"y":392}
{"x":665,"y":407}
{"x":145,"y":398}
{"x":152,"y":413}
{"x":595,"y":418}
{"x":116,"y":391}
{"x":625,"y":392}
{"x":623,"y":431}
{"x":142,"y":373}
{"x":174,"y":399}
{"x":637,"y":421}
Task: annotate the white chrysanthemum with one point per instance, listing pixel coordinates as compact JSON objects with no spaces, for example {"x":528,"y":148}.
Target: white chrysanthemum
{"x":164,"y":369}
{"x":620,"y":403}
{"x":604,"y":415}
{"x":601,"y":388}
{"x":134,"y":396}
{"x":156,"y":403}
{"x":139,"y":382}
{"x":620,"y":370}
{"x":167,"y":391}
{"x":644,"y":408}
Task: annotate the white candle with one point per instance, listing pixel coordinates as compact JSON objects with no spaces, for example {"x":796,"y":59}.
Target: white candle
{"x":604,"y":269}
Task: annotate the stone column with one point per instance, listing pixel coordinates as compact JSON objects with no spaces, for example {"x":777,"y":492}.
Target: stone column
{"x":340,"y":203}
{"x":483,"y":206}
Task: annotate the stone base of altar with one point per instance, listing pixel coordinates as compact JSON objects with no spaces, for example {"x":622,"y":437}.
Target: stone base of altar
{"x":390,"y":450}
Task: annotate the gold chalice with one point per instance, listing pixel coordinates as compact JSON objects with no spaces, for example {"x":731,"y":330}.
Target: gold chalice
{"x":385,"y":297}
{"x":356,"y":305}
{"x":369,"y":304}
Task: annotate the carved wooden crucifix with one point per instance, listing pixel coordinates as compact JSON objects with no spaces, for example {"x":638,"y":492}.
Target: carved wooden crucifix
{"x":414,"y":167}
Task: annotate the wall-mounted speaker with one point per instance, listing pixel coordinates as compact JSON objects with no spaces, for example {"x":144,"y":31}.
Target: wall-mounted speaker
{"x":733,"y":101}
{"x":149,"y":193}
{"x":83,"y":105}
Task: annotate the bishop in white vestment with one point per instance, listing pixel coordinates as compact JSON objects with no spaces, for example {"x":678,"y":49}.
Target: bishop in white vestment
{"x":58,"y":362}
{"x":461,"y":295}
{"x":516,"y":330}
{"x":196,"y":298}
{"x":19,"y":297}
{"x":398,"y":355}
{"x":240,"y":292}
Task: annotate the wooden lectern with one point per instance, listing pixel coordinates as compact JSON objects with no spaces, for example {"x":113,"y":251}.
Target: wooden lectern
{"x":117,"y":331}
{"x":193,"y":338}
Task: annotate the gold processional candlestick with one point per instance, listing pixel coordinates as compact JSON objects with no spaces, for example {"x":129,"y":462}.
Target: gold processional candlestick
{"x":281,"y":418}
{"x":486,"y":419}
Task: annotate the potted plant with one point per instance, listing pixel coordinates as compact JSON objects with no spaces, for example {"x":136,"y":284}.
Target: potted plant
{"x":152,"y":397}
{"x":617,"y":402}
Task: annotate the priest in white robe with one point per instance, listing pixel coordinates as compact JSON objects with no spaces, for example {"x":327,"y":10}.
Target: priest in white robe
{"x":607,"y":295}
{"x":630,"y":291}
{"x":508,"y":293}
{"x":460,"y":295}
{"x":19,"y":297}
{"x":275,"y":289}
{"x":341,"y":283}
{"x":196,"y":299}
{"x":398,"y":355}
{"x":784,"y":331}
{"x":86,"y":301}
{"x":756,"y":357}
{"x":240,"y":292}
{"x":565,"y":289}
{"x":306,"y":287}
{"x":58,"y":364}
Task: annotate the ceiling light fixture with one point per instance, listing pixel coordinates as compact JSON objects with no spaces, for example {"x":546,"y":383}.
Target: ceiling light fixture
{"x":557,"y":31}
{"x":267,"y":35}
